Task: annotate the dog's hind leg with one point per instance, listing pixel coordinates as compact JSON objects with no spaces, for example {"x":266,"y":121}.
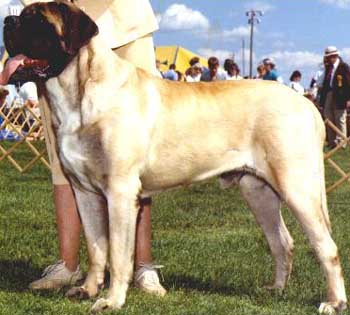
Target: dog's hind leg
{"x":302,"y":193}
{"x":93,"y":212}
{"x":122,"y":198}
{"x":265,"y":205}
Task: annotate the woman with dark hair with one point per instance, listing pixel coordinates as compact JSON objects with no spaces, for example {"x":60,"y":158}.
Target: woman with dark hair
{"x":232,"y":70}
{"x":294,"y":84}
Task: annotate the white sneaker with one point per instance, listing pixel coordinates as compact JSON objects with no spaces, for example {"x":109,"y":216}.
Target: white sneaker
{"x":146,"y":278}
{"x":56,"y":276}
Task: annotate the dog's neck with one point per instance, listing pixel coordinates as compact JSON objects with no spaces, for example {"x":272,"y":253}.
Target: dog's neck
{"x":71,"y":106}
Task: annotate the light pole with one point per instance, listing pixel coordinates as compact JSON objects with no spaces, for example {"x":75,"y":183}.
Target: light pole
{"x":252,"y":19}
{"x":243,"y":57}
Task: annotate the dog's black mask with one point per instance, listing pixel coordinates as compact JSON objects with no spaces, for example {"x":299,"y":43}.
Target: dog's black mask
{"x":50,"y":31}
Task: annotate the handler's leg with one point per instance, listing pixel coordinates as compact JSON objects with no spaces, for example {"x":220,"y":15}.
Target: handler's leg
{"x":66,"y":270}
{"x":340,"y":122}
{"x":93,"y":210}
{"x":146,"y":277}
{"x":141,"y":54}
{"x":329,"y":114}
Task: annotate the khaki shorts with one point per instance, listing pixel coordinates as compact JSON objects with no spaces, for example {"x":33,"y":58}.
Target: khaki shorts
{"x":140,"y":53}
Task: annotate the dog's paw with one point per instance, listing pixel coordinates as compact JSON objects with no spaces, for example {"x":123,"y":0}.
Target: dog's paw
{"x":103,"y":305}
{"x":332,"y":308}
{"x":79,"y":293}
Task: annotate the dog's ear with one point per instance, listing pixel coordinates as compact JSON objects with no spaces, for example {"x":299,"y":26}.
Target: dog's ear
{"x":78,"y":28}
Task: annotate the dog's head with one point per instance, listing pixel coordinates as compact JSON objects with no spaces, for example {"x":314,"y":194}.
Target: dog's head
{"x":51,"y":31}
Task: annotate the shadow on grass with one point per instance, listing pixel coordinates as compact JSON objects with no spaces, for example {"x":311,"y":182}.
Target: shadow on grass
{"x":259,"y":294}
{"x":15,"y":275}
{"x":179,"y":281}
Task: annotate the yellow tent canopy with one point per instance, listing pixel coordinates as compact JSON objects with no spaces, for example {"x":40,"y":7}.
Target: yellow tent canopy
{"x":177,"y":55}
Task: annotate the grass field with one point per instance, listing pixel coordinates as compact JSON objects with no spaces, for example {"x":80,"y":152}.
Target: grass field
{"x":216,"y":259}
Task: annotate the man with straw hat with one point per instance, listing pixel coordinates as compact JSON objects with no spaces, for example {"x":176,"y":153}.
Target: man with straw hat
{"x":335,"y":93}
{"x":127,"y":27}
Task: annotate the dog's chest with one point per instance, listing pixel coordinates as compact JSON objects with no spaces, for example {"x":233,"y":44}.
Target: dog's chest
{"x":67,"y":122}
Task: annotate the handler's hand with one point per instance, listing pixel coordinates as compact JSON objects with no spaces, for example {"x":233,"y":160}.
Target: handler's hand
{"x":348,"y":104}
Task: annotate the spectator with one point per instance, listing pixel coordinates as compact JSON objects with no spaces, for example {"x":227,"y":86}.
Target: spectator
{"x":261,"y":71}
{"x":171,"y":74}
{"x":158,"y":68}
{"x":232,"y":70}
{"x":295,"y":84}
{"x":24,"y":96}
{"x":194,"y":60}
{"x":27,"y":93}
{"x":316,"y":82}
{"x":335,"y":93}
{"x":194,"y":73}
{"x":271,"y":72}
{"x":214,"y":73}
{"x":180,"y":75}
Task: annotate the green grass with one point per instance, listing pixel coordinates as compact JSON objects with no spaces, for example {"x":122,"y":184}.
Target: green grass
{"x":216,"y":259}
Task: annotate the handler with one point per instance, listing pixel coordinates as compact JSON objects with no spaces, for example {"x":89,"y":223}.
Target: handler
{"x":127,"y":26}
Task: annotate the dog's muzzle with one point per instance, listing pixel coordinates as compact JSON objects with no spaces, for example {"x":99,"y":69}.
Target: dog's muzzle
{"x":33,"y":70}
{"x":12,"y":21}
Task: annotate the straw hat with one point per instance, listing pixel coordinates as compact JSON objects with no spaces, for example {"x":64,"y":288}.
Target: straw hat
{"x":331,"y":51}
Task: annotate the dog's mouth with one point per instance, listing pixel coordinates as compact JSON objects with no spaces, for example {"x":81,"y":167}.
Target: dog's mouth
{"x":34,"y":70}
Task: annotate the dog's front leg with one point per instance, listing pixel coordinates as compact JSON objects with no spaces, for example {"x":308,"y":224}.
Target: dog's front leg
{"x":93,"y":212}
{"x":122,"y":198}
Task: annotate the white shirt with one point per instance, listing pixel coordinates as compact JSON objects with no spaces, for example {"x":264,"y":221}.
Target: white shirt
{"x":297,"y":87}
{"x":27,"y":92}
{"x":319,"y":77}
{"x":190,"y":78}
{"x":234,"y":77}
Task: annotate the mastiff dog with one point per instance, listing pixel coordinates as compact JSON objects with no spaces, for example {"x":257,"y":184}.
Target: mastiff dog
{"x":123,"y":133}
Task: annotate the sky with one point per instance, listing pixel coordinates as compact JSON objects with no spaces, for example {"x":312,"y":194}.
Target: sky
{"x":293,"y":32}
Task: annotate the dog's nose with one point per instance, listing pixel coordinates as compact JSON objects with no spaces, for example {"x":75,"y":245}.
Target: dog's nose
{"x":11,"y":20}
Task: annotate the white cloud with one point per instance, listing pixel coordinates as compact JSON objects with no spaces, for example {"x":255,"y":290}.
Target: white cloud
{"x":343,"y":4}
{"x":221,"y":54}
{"x":296,"y":59}
{"x":239,"y":31}
{"x":259,"y":5}
{"x":345,"y":54}
{"x":280,"y":44}
{"x":234,"y":34}
{"x":180,"y":17}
